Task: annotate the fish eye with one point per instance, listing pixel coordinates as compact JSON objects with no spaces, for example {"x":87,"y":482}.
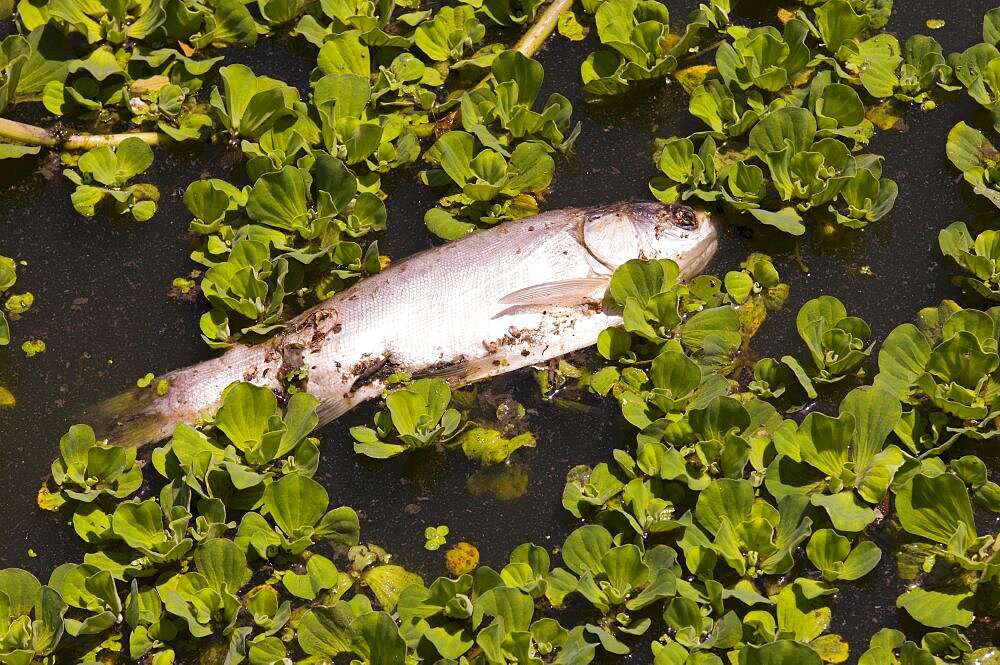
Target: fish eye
{"x":684,"y":217}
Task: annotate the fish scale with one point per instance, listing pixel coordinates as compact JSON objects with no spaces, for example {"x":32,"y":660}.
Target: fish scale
{"x":518,"y":294}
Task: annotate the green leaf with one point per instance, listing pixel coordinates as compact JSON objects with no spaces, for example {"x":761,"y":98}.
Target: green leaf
{"x":585,"y":548}
{"x":875,"y":413}
{"x":295,"y":502}
{"x":934,"y":507}
{"x":845,"y":511}
{"x":787,"y":128}
{"x":837,"y":23}
{"x":939,"y":608}
{"x":376,"y":639}
{"x":244,"y":414}
{"x":968,"y":148}
{"x":832,"y":554}
{"x":902,"y":359}
{"x":140,"y":524}
{"x":279,"y":199}
{"x":780,"y":652}
{"x":785,"y":219}
{"x":223,"y":564}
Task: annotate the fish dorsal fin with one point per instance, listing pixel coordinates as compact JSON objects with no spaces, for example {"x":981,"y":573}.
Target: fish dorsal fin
{"x":567,"y":293}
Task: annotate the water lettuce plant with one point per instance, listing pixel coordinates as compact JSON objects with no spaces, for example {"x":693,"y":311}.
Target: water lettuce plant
{"x":978,"y":257}
{"x":103,"y":176}
{"x":746,"y":494}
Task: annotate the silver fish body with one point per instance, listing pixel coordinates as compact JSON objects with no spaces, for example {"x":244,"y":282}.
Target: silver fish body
{"x":515,"y":295}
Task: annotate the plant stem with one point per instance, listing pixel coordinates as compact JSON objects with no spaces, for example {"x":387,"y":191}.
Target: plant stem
{"x":533,"y":39}
{"x":26,"y":134}
{"x":528,"y":44}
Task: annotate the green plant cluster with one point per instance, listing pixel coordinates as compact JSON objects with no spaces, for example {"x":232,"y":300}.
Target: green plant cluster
{"x":388,"y":75}
{"x":786,"y":117}
{"x":495,"y":165}
{"x":104,"y":172}
{"x":419,"y":416}
{"x":722,"y":534}
{"x":638,"y":44}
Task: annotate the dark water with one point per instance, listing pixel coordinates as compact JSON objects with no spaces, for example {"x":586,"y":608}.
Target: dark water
{"x":103,"y":310}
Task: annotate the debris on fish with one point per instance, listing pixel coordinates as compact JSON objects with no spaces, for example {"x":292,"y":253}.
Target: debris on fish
{"x":512,"y":296}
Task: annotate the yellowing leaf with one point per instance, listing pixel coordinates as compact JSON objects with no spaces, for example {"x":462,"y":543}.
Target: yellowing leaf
{"x":387,"y":582}
{"x":6,"y":398}
{"x":886,"y":115}
{"x":150,"y":84}
{"x":570,"y":28}
{"x":33,"y":347}
{"x":831,"y":648}
{"x":461,"y":559}
{"x":935,"y":23}
{"x":691,"y":77}
{"x":46,"y":500}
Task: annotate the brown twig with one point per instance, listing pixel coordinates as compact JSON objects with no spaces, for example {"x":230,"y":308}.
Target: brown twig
{"x":25,"y":134}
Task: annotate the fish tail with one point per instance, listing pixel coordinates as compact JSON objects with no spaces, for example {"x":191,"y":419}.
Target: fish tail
{"x":144,"y":415}
{"x":131,"y":419}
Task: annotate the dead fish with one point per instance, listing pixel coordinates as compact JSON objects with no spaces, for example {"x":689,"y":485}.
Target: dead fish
{"x":512,"y":296}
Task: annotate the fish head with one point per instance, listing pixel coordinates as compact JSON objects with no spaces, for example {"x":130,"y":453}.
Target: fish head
{"x":648,"y":230}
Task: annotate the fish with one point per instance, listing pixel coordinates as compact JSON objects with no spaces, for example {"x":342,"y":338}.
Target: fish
{"x":515,"y":295}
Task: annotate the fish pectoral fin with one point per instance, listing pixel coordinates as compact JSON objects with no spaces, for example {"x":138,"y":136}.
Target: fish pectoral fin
{"x":464,"y":371}
{"x":567,"y":293}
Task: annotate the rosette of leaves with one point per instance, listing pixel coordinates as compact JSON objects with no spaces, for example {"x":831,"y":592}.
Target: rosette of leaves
{"x":221,"y":22}
{"x":416,"y":416}
{"x":979,"y":257}
{"x":250,"y":443}
{"x":947,"y":374}
{"x":933,"y":504}
{"x":750,"y":535}
{"x":978,"y":68}
{"x":298,"y":507}
{"x":837,"y":342}
{"x":33,"y":622}
{"x":88,"y":469}
{"x":507,"y":102}
{"x":660,"y":314}
{"x":250,"y":105}
{"x":842,"y":465}
{"x":975,"y":156}
{"x":924,"y":69}
{"x":103,"y":178}
{"x":157,"y":99}
{"x":367,"y":22}
{"x":639,"y":45}
{"x":294,"y":226}
{"x":353,"y":131}
{"x":448,"y":35}
{"x":492,"y":610}
{"x":486,"y":187}
{"x":808,"y":164}
{"x":92,"y":597}
{"x":872,"y":63}
{"x":763,"y":58}
{"x":204,"y":598}
{"x":637,"y":31}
